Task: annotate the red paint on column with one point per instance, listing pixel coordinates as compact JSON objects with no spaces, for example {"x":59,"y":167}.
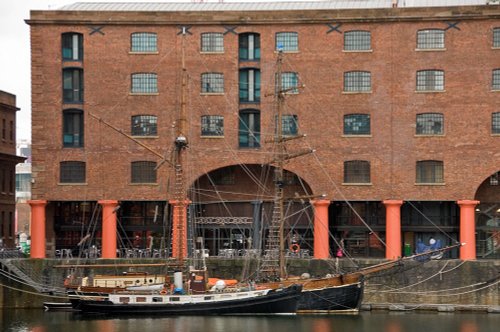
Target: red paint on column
{"x":321,"y":244}
{"x":179,"y":228}
{"x":467,"y":229}
{"x":108,"y":228}
{"x":393,"y":228}
{"x":37,"y":230}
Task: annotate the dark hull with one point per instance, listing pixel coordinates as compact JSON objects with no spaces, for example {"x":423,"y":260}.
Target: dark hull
{"x":275,"y":302}
{"x":57,"y":306}
{"x":338,"y":298}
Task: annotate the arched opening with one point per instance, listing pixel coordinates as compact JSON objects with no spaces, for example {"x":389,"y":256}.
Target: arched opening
{"x":488,"y":218}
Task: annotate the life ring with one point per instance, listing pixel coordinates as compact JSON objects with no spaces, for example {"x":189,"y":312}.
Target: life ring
{"x":295,"y":248}
{"x":163,"y":291}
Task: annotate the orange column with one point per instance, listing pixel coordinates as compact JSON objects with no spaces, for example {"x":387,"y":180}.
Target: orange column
{"x":179,"y":228}
{"x":321,"y":244}
{"x":467,"y":229}
{"x":108,"y":228}
{"x":37,"y":228}
{"x":393,"y":228}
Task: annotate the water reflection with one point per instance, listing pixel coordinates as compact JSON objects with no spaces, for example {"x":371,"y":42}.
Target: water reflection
{"x":40,"y":321}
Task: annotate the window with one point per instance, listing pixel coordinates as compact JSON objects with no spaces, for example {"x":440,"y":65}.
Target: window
{"x":430,"y":80}
{"x":72,"y":85}
{"x":430,"y":124}
{"x":357,"y":81}
{"x":287,"y":41}
{"x":143,"y":42}
{"x":249,"y":46}
{"x":357,"y":171}
{"x":212,"y":83}
{"x":289,"y":124}
{"x":212,"y":42}
{"x":144,"y":83}
{"x":289,"y":82}
{"x":223,"y":176}
{"x":496,"y":37}
{"x":11,"y":130}
{"x":72,"y":172}
{"x":212,"y":125}
{"x":357,"y":41}
{"x":357,"y":124}
{"x":430,"y":39}
{"x":4,"y":129}
{"x":430,"y":171}
{"x":249,"y":129}
{"x":72,"y":128}
{"x":249,"y":85}
{"x":495,"y":123}
{"x":72,"y":46}
{"x":495,"y":81}
{"x":144,"y":125}
{"x":143,"y":172}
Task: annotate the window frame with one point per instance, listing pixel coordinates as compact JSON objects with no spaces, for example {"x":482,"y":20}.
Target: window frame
{"x":496,"y":38}
{"x":212,"y":126}
{"x":72,"y":84}
{"x":429,"y":172}
{"x":72,"y":172}
{"x":289,"y":82}
{"x":495,"y":123}
{"x":144,"y":83}
{"x":212,"y":42}
{"x":144,"y":125}
{"x":431,"y":39}
{"x":215,"y":77}
{"x":245,"y":44}
{"x":73,"y":137}
{"x":357,"y":81}
{"x":424,"y":119}
{"x":139,"y":172}
{"x":249,"y":89}
{"x":353,"y":119}
{"x":252,"y":135}
{"x":495,"y":79}
{"x":423,"y":76}
{"x":357,"y":40}
{"x":357,"y":172}
{"x":68,"y":47}
{"x":143,"y":42}
{"x":290,"y":40}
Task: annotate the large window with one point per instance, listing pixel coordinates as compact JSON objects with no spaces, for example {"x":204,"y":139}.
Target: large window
{"x":72,"y":172}
{"x":72,"y":85}
{"x":72,"y":46}
{"x":144,"y":125}
{"x":249,"y":46}
{"x":357,"y":40}
{"x":357,"y":81}
{"x":144,"y":83}
{"x":212,"y":42}
{"x":249,"y":85}
{"x":357,"y":171}
{"x":212,"y":125}
{"x":495,"y":80}
{"x":430,"y":124}
{"x":357,"y":124}
{"x":144,"y":42}
{"x":289,"y":82}
{"x":143,"y":172}
{"x":287,"y":41}
{"x":289,"y":124}
{"x":430,"y":39}
{"x":72,"y":128}
{"x":430,"y":80}
{"x":212,"y":83}
{"x":249,"y":129}
{"x":430,"y":171}
{"x":495,"y":123}
{"x":496,"y":37}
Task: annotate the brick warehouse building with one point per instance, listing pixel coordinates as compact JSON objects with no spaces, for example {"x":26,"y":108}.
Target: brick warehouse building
{"x":400,"y":103}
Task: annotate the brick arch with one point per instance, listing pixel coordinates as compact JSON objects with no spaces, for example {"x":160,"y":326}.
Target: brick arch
{"x":488,"y":190}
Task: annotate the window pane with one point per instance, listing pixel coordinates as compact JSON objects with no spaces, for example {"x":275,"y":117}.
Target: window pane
{"x":430,"y":171}
{"x":143,"y":172}
{"x":212,"y":125}
{"x":356,"y":171}
{"x":496,"y":80}
{"x":249,"y":46}
{"x":212,"y":83}
{"x":496,"y":37}
{"x":357,"y":41}
{"x":72,"y":128}
{"x":357,"y":81}
{"x":495,"y":123}
{"x":430,"y":124}
{"x":249,"y":129}
{"x":357,"y":124}
{"x":430,"y":80}
{"x":72,"y":172}
{"x":430,"y":39}
{"x":289,"y":82}
{"x":144,"y":83}
{"x":144,"y":125}
{"x":72,"y":85}
{"x":212,"y":42}
{"x":249,"y":85}
{"x":72,"y":46}
{"x":289,"y":124}
{"x":143,"y":42}
{"x":287,"y":41}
